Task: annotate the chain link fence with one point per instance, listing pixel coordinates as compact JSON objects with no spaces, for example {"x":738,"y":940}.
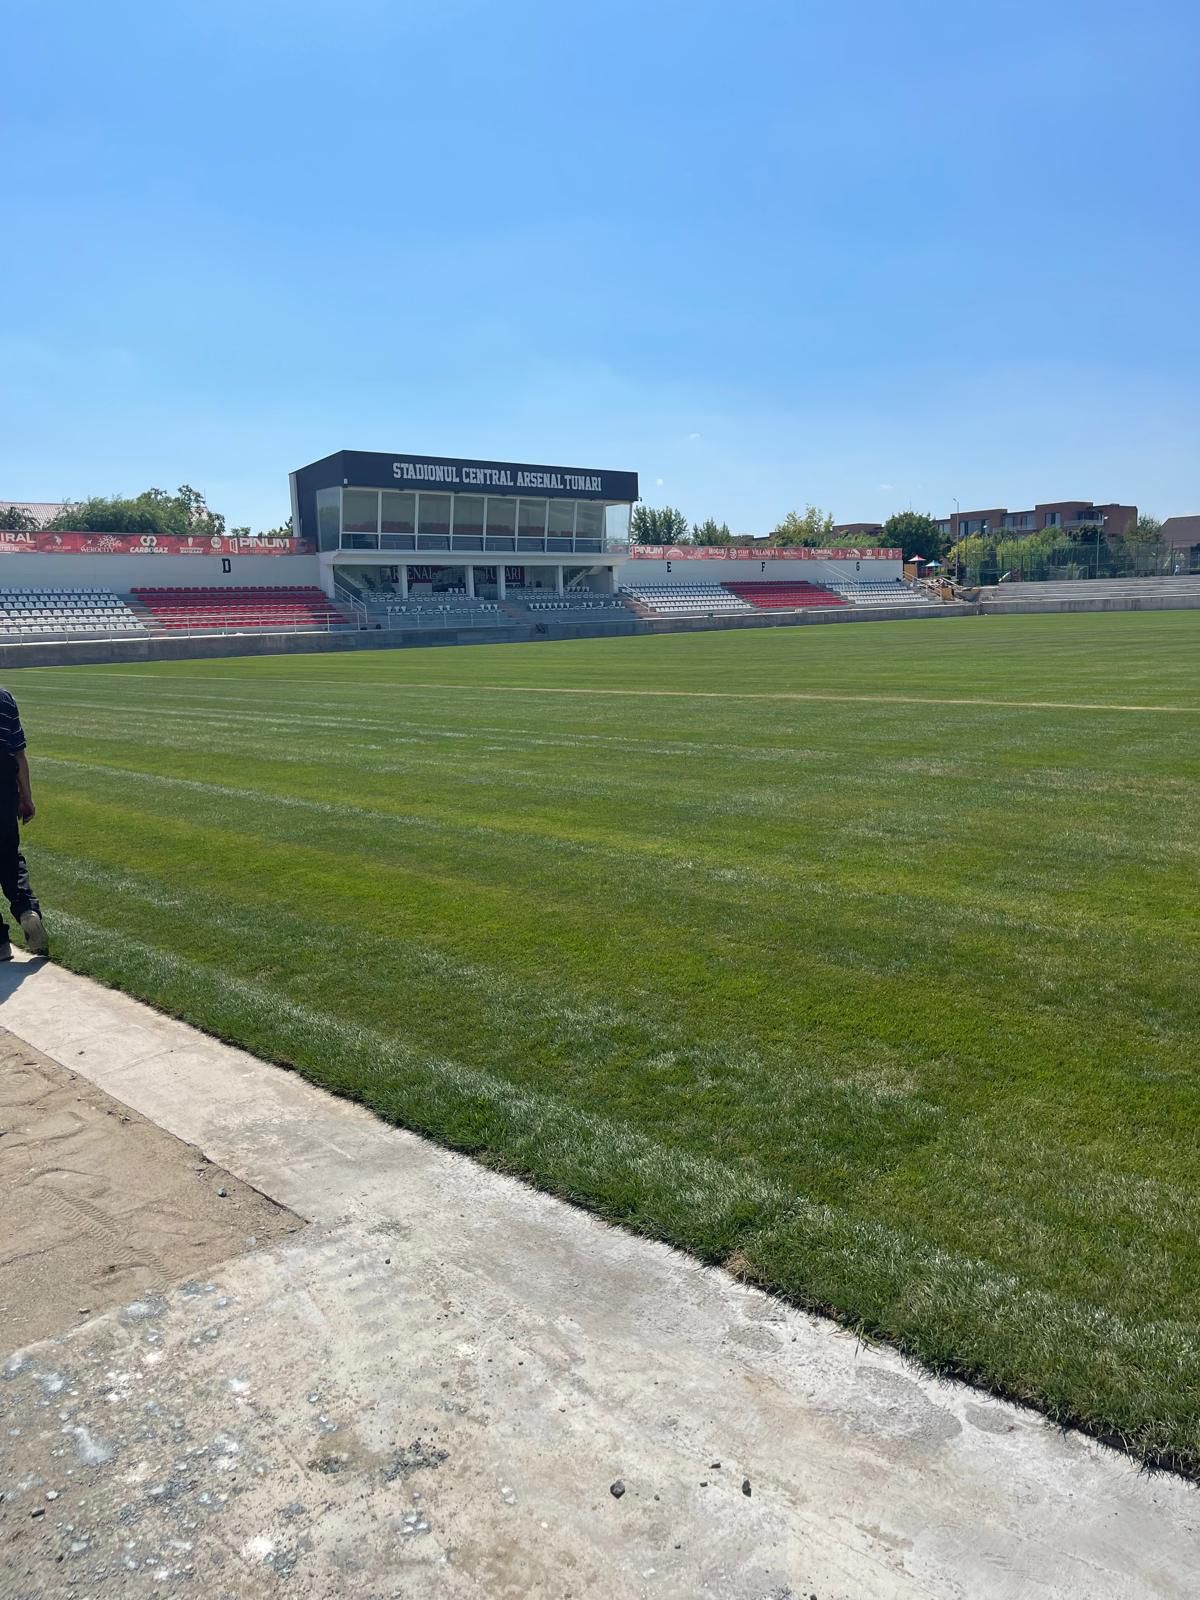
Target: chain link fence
{"x":978,"y":563}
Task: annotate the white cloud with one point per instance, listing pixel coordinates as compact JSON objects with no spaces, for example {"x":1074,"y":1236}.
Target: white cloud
{"x":887,"y":485}
{"x":693,"y":437}
{"x":658,"y":483}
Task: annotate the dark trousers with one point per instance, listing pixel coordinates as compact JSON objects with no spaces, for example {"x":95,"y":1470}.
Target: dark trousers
{"x":14,"y":871}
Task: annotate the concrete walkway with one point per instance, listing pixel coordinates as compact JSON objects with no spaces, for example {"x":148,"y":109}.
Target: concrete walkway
{"x":434,"y":1386}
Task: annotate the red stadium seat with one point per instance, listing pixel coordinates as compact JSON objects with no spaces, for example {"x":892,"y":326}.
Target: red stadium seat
{"x":288,"y":606}
{"x":784,"y":595}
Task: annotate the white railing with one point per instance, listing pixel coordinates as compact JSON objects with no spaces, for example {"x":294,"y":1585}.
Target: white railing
{"x":449,"y":616}
{"x":346,"y":596}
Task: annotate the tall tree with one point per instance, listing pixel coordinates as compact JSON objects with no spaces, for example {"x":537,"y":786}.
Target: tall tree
{"x":643,"y":528}
{"x":1146,"y":530}
{"x":814,"y":528}
{"x":659,"y":525}
{"x":709,"y":533}
{"x":917,"y":534}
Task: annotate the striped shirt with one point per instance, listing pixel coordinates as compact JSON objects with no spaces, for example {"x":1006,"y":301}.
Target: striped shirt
{"x":12,"y":735}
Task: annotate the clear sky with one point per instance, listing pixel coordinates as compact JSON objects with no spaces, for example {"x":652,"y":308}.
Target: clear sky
{"x":866,"y":256}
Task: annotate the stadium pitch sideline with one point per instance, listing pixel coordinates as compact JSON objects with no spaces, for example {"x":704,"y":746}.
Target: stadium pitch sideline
{"x":507,"y":1388}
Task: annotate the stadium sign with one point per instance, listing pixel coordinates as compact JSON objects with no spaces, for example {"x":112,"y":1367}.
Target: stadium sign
{"x":512,"y":479}
{"x":463,"y":475}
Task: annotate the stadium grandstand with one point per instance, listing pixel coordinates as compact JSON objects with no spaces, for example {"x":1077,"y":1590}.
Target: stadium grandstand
{"x":396,"y":541}
{"x":733,"y":580}
{"x":1183,"y":589}
{"x":731,"y":599}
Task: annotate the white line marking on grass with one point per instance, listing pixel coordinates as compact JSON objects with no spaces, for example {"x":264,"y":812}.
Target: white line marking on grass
{"x":680,"y":694}
{"x":787,"y":694}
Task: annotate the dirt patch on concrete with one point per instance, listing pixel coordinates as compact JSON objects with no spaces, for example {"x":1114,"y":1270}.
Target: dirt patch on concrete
{"x":99,"y":1206}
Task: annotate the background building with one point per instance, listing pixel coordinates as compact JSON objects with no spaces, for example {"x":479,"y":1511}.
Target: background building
{"x":1182,"y":534}
{"x":40,"y":511}
{"x":1112,"y":520}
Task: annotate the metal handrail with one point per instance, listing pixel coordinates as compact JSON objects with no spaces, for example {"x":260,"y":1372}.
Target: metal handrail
{"x":358,"y":607}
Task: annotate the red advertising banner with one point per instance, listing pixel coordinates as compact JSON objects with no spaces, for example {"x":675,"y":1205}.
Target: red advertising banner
{"x":146,"y":544}
{"x":775,"y":552}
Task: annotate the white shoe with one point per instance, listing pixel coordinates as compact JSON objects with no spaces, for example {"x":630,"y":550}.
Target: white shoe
{"x":37,"y":940}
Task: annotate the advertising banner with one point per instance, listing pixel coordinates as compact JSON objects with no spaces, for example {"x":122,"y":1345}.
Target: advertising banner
{"x":146,"y":544}
{"x":775,"y":552}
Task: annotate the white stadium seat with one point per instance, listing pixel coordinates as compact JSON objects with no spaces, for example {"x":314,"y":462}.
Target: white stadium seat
{"x":26,"y":613}
{"x":670,"y":599}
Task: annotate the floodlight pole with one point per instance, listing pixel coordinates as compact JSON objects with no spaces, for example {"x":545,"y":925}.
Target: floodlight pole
{"x":957,"y":542}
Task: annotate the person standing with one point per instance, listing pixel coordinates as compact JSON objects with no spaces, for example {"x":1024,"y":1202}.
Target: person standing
{"x":16,"y":807}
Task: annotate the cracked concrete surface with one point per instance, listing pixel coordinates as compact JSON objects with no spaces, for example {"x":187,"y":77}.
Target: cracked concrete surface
{"x":431,"y":1388}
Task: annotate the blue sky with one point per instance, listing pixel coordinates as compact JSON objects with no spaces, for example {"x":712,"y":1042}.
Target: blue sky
{"x":765,"y":254}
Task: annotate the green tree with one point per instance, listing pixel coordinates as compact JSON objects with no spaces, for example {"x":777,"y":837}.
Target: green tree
{"x":659,"y":525}
{"x":643,"y":526}
{"x":709,"y":533}
{"x":1146,"y":530}
{"x":153,"y":511}
{"x":813,"y":528}
{"x":967,"y":558}
{"x":14,"y":520}
{"x":917,"y":534}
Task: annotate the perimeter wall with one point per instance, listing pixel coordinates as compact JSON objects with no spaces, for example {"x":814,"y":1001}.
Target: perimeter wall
{"x":692,"y":564}
{"x":120,"y":574}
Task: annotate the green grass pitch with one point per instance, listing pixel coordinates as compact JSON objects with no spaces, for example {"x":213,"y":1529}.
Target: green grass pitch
{"x":863,"y":959}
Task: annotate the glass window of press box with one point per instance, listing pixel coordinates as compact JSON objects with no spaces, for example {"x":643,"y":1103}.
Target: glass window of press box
{"x":560,"y":525}
{"x":468,"y":522}
{"x":393,"y":519}
{"x":589,"y":525}
{"x":531,"y":524}
{"x":329,"y":518}
{"x":433,"y":522}
{"x":398,"y":520}
{"x":501,"y":531}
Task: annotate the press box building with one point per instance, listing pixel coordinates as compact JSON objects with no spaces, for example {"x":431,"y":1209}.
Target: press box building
{"x":431,"y":523}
